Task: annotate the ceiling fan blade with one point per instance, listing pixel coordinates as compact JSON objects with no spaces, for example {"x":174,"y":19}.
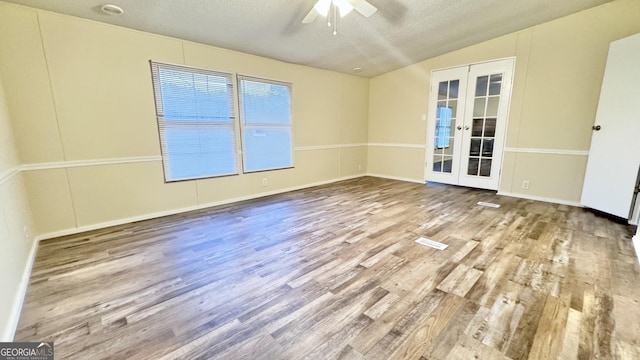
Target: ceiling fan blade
{"x":312,"y":15}
{"x":363,"y":7}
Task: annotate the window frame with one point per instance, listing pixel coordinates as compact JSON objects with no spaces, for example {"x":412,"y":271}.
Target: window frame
{"x":162,"y":124}
{"x":243,"y":125}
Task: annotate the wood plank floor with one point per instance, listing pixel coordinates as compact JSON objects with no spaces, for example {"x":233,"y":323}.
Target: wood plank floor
{"x":333,"y":272}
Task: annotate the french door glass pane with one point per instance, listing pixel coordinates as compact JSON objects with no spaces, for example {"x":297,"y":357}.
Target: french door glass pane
{"x":492,"y":106}
{"x":442,"y":163}
{"x":481,"y":85}
{"x":446,"y":164}
{"x":490,"y":128}
{"x":475,"y":147}
{"x":452,"y":128}
{"x":442,"y":90}
{"x":487,"y":147}
{"x":495,"y":84}
{"x":453,"y":89}
{"x":443,"y":126}
{"x":444,"y":135}
{"x":476,"y":128}
{"x":478,"y":106}
{"x":483,"y":127}
{"x":485,"y":167}
{"x":453,"y":106}
{"x":437,"y":162}
{"x":473,"y":166}
{"x":448,"y":150}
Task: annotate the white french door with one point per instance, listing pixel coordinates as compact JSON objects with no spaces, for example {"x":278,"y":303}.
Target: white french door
{"x":468,"y":111}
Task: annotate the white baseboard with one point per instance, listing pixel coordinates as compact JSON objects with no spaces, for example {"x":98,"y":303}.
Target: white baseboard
{"x":9,"y":331}
{"x":540,"y":198}
{"x":268,"y":193}
{"x":521,"y":196}
{"x":636,"y":245}
{"x":396,"y":178}
{"x":106,"y":224}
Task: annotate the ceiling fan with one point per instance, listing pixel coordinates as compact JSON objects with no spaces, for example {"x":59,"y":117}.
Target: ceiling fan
{"x":331,"y":8}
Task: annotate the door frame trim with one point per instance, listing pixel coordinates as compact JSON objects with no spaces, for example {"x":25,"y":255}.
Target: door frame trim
{"x":507,"y":116}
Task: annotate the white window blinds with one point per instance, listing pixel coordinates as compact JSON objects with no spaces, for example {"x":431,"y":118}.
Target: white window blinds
{"x":196,"y":120}
{"x":265,"y":108}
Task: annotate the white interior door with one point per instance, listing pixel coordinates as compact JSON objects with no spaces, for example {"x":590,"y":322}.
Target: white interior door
{"x":445,"y":124}
{"x":614,"y":157}
{"x":466,"y":128}
{"x":487,"y":111}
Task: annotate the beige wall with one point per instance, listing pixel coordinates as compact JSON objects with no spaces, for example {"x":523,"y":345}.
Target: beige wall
{"x":77,"y":118}
{"x":88,"y":137}
{"x":89,"y":117}
{"x":15,"y":243}
{"x":559,"y":69}
{"x":8,"y":156}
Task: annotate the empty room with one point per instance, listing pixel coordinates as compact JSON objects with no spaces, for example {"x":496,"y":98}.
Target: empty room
{"x":320,"y":179}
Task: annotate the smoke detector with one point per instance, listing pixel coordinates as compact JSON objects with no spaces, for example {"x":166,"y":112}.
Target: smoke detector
{"x":111,"y":9}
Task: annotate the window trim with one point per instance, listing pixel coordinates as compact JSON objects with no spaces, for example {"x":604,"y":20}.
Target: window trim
{"x":241,"y":120}
{"x":160,"y":122}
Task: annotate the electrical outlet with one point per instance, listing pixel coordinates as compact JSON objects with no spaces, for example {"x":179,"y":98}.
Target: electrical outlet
{"x":265,"y":182}
{"x":359,"y":167}
{"x":27,"y":233}
{"x":525,"y":184}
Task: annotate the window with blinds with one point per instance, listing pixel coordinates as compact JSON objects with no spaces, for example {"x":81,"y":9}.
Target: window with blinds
{"x":196,"y":120}
{"x":265,"y":114}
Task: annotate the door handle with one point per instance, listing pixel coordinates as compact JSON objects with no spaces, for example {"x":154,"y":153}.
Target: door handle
{"x":459,"y":127}
{"x":466,"y":127}
{"x":596,"y":127}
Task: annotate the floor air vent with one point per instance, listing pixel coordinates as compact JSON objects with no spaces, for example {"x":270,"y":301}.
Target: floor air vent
{"x":431,"y":243}
{"x":492,"y":205}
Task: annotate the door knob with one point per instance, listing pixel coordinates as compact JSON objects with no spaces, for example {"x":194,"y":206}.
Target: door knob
{"x":459,"y":127}
{"x":596,"y":127}
{"x":466,"y":128}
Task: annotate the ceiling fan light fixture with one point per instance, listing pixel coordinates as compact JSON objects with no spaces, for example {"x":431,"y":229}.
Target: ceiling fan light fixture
{"x":343,"y":6}
{"x":322,"y":7}
{"x":330,"y":9}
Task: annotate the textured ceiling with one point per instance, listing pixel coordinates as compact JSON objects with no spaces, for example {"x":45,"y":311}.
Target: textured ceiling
{"x":402,"y":32}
